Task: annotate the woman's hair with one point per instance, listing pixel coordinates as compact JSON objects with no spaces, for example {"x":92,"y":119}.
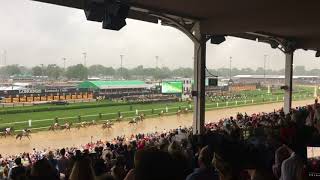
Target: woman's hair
{"x":153,"y":164}
{"x":42,"y":169}
{"x":82,"y":170}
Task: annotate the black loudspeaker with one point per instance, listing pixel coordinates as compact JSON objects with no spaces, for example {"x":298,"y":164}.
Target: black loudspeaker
{"x":217,"y":39}
{"x":212,"y":81}
{"x":115,"y":15}
{"x":94,"y":10}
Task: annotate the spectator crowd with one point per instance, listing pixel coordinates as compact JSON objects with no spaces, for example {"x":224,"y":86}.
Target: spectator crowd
{"x":261,"y":146}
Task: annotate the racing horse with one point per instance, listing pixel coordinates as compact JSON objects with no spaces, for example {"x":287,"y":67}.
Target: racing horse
{"x":54,"y":127}
{"x":67,"y":126}
{"x":179,"y":112}
{"x":3,"y":134}
{"x":161,"y":114}
{"x":92,"y":123}
{"x":83,"y":124}
{"x":9,"y":131}
{"x":51,"y":128}
{"x":133,"y":121}
{"x":24,"y":133}
{"x":107,"y":125}
{"x":137,"y":119}
{"x":185,"y":111}
{"x":120,"y":118}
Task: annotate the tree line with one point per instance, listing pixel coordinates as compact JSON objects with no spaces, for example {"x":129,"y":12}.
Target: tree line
{"x":80,"y":72}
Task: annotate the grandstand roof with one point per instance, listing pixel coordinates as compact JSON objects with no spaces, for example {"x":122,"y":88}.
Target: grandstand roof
{"x":112,"y":84}
{"x":250,"y":19}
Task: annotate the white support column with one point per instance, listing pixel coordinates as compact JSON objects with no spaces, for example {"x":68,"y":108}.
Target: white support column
{"x":288,"y":81}
{"x":199,"y":81}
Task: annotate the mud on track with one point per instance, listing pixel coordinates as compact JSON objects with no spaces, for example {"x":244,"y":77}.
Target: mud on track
{"x":59,"y":139}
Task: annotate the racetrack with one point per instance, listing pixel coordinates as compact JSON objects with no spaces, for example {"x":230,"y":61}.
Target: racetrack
{"x":59,"y":139}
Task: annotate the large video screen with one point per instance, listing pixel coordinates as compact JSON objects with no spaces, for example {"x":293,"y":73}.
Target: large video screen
{"x":313,"y":165}
{"x":172,"y":87}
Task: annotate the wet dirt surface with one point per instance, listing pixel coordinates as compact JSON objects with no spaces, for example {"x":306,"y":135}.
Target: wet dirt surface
{"x":75,"y":137}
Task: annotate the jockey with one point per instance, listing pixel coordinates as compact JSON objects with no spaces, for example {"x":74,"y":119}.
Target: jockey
{"x":8,"y":130}
{"x":56,"y":120}
{"x":24,"y":131}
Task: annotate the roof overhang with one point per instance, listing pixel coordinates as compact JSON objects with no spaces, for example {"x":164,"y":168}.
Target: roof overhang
{"x":250,"y":19}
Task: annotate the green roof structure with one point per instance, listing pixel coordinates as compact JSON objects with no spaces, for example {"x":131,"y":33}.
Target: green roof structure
{"x":112,"y":84}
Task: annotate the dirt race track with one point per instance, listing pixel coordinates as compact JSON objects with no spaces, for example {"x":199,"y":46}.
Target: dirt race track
{"x":59,"y":139}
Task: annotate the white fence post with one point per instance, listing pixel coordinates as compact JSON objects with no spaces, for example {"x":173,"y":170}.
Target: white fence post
{"x":252,"y":101}
{"x":217,"y":104}
{"x":245,"y":101}
{"x":137,"y":112}
{"x":227,"y":103}
{"x":167,"y":109}
{"x":236,"y":102}
{"x":30,"y":122}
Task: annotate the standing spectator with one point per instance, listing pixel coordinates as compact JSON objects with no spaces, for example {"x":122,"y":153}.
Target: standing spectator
{"x":118,"y":170}
{"x":42,"y":169}
{"x":52,"y":161}
{"x":281,"y":154}
{"x":205,"y":170}
{"x":19,"y":171}
{"x":293,"y":167}
{"x":82,"y":170}
{"x":63,"y":162}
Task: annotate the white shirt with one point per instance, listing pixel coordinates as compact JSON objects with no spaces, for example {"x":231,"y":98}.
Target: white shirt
{"x":292,"y":168}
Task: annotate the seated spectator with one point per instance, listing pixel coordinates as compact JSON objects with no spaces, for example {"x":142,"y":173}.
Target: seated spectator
{"x":205,"y":170}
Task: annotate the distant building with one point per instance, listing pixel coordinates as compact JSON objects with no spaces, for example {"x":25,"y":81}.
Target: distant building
{"x":116,"y":89}
{"x":273,"y":79}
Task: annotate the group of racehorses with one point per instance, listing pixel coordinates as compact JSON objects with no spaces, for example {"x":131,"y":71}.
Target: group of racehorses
{"x":67,"y":126}
{"x":10,"y":132}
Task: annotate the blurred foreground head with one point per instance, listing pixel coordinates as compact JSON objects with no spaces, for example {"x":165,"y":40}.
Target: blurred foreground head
{"x":82,"y":170}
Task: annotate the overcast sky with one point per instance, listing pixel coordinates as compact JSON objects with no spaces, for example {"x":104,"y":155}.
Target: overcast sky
{"x":34,"y":33}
